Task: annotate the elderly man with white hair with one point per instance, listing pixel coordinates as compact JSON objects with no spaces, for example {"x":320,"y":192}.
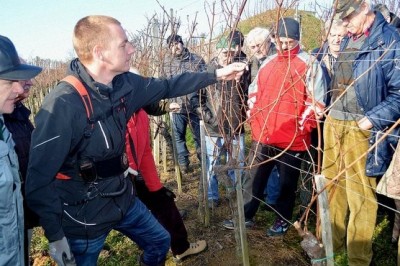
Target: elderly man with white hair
{"x":258,"y":40}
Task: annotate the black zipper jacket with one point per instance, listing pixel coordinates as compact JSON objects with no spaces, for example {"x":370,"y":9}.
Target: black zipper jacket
{"x":72,"y":207}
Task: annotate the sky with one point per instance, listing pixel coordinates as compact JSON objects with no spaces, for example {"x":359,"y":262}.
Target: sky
{"x":44,"y":27}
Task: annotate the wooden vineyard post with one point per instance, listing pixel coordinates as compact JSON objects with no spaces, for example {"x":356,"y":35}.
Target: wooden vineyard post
{"x":156,"y":141}
{"x":164,"y":151}
{"x":323,"y":208}
{"x":240,"y":230}
{"x":203,"y":211}
{"x":175,"y":152}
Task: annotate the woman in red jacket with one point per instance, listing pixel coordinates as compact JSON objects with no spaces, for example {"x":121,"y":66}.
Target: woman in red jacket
{"x":151,"y":192}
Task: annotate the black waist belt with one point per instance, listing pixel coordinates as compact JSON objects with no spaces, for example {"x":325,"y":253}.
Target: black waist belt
{"x":111,"y":167}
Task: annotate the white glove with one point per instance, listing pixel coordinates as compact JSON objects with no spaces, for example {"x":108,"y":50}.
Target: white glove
{"x":60,"y":252}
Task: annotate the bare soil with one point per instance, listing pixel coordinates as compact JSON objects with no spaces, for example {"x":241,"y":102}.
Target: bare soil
{"x":221,"y":242}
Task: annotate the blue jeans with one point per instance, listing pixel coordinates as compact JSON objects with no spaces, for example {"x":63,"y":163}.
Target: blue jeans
{"x":272,"y":189}
{"x":214,"y":154}
{"x":180,"y":123}
{"x":140,"y":226}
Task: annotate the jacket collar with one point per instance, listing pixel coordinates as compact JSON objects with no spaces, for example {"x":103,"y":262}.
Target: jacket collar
{"x":289,"y":53}
{"x":77,"y":69}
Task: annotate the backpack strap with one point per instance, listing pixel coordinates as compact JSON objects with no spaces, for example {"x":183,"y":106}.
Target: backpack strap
{"x":87,"y":103}
{"x":80,"y":88}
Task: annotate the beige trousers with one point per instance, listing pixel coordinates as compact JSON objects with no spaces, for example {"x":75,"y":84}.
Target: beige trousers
{"x":353,"y":206}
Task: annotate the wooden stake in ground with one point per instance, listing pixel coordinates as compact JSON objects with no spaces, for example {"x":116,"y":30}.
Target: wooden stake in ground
{"x":203,"y":211}
{"x":241,"y":219}
{"x":323,"y":208}
{"x":164,"y":152}
{"x":310,"y":244}
{"x":236,"y":205}
{"x":175,"y":152}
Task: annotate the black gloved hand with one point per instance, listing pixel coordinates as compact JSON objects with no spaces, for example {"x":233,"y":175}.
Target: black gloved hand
{"x":164,"y":193}
{"x":160,"y":199}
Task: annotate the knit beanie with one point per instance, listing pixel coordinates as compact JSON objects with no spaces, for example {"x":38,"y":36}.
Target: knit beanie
{"x":289,"y":28}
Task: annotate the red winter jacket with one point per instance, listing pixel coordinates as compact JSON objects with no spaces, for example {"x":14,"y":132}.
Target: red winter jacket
{"x":138,"y":129}
{"x":281,"y":99}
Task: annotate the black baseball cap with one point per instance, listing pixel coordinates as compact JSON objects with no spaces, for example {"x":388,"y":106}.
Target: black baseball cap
{"x":10,"y":65}
{"x":174,"y":38}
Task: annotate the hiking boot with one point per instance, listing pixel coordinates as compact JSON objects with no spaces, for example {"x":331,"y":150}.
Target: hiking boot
{"x":194,"y":248}
{"x":279,"y":228}
{"x":228,"y":224}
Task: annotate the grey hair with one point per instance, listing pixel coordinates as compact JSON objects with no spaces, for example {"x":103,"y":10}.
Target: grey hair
{"x":258,"y":35}
{"x":368,"y":2}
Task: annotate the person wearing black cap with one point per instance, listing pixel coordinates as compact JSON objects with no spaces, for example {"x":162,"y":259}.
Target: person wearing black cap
{"x":283,"y":98}
{"x":13,"y":76}
{"x":77,"y":179}
{"x":21,"y":127}
{"x":181,"y":60}
{"x":365,"y":103}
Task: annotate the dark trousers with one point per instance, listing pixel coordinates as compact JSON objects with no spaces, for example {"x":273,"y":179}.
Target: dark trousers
{"x":164,"y":209}
{"x":288,"y":165}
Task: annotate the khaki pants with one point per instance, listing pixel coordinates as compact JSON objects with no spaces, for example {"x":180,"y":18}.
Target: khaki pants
{"x":352,"y":195}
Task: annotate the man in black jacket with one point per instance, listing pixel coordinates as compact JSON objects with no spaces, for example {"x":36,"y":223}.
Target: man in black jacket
{"x":76,"y":179}
{"x":179,"y":61}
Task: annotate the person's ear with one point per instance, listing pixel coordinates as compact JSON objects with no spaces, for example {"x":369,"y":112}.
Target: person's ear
{"x":97,"y":53}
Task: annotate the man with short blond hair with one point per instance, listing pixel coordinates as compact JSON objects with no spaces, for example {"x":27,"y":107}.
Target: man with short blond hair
{"x":78,"y":180}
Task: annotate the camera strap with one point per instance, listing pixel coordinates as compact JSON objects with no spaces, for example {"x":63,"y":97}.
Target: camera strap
{"x":138,"y":177}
